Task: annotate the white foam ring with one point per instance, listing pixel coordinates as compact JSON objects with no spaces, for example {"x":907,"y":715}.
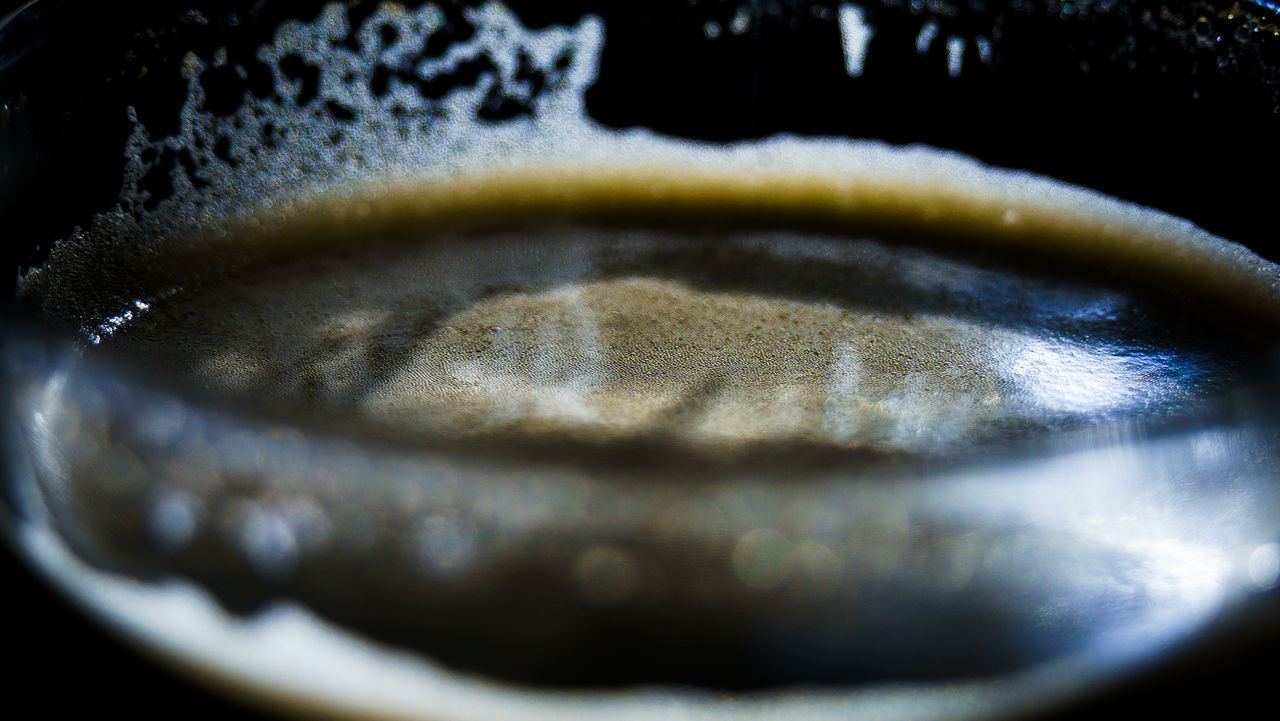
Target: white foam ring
{"x":280,"y":151}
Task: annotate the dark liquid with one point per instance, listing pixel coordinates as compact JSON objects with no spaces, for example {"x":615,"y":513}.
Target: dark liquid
{"x":705,"y":337}
{"x":615,"y":343}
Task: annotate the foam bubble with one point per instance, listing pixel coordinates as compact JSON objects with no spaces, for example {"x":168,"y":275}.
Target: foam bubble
{"x":364,"y":129}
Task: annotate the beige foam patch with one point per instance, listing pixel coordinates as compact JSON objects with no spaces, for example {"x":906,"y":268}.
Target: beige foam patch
{"x":709,"y":339}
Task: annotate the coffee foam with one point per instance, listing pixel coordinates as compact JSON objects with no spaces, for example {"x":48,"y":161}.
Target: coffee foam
{"x":285,"y":173}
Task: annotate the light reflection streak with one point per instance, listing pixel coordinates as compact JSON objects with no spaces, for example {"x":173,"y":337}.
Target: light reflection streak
{"x":855,"y":35}
{"x":1074,"y":377}
{"x":955,"y":55}
{"x":1144,"y":531}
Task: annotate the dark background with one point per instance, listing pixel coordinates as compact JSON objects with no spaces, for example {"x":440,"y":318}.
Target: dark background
{"x":1156,"y":137}
{"x":63,"y":666}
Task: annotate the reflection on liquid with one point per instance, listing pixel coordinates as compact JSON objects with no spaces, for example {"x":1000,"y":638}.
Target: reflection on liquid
{"x":711,"y":339}
{"x":855,"y":36}
{"x":638,"y":564}
{"x":1055,"y":569}
{"x":1066,"y":376}
{"x":1264,"y":566}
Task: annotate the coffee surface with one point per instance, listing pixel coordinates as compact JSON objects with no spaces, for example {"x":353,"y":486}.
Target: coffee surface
{"x":627,"y":325}
{"x":707,"y":336}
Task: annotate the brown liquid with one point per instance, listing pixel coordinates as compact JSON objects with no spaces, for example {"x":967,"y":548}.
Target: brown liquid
{"x":721,"y":330}
{"x":787,"y":328}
